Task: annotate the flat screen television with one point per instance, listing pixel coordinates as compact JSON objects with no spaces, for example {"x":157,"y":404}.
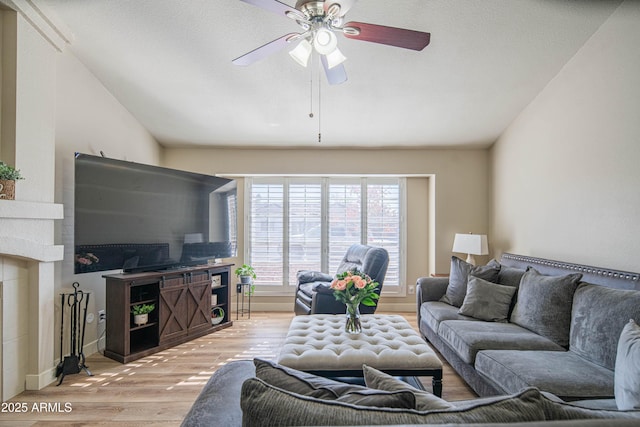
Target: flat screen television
{"x":138,"y":217}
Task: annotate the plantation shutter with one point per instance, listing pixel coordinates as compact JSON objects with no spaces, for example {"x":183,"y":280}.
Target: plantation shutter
{"x":383,"y":225}
{"x":266,"y":232}
{"x":305,"y":228}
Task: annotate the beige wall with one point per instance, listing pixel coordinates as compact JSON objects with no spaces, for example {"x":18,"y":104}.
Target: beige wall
{"x":565,"y":173}
{"x":459,"y":186}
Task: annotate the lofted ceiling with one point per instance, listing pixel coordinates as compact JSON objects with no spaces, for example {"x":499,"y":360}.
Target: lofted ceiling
{"x":169,"y":63}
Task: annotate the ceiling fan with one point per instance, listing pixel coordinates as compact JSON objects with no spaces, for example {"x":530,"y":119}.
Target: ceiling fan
{"x":320,"y":20}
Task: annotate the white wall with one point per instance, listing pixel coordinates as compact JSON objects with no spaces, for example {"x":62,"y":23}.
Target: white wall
{"x":27,"y":282}
{"x":89,"y":119}
{"x":565,"y":173}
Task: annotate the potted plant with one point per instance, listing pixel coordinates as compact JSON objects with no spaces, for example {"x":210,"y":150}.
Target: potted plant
{"x":246,"y":274}
{"x":217,"y":315}
{"x":141,"y":313}
{"x":8,"y":178}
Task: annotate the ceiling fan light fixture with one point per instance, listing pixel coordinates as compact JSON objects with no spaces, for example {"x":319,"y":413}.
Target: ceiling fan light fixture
{"x":325,"y":41}
{"x":302,"y":52}
{"x":335,"y":58}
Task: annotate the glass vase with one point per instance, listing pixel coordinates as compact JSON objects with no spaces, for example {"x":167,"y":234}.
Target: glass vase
{"x":353,"y":324}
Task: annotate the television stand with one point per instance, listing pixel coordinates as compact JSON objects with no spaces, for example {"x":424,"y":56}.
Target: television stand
{"x":183,"y":303}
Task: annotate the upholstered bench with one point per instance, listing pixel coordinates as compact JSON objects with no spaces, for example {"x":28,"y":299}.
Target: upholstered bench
{"x":318,"y":344}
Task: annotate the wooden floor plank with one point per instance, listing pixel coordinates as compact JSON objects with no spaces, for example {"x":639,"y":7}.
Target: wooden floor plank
{"x":159,"y":389}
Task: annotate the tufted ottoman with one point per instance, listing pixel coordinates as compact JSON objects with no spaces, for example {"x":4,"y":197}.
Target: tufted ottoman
{"x":318,"y":344}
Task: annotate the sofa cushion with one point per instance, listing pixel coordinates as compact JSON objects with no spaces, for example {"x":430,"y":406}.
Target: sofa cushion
{"x":599,"y":314}
{"x":627,"y":372}
{"x":510,"y":276}
{"x":434,"y":312}
{"x":425,"y":401}
{"x":558,"y":411}
{"x":403,"y":399}
{"x":562,"y":373}
{"x":466,"y":338}
{"x":544,"y":304}
{"x":301,"y":382}
{"x":265,"y":405}
{"x":459,"y":275}
{"x":486,"y":300}
{"x":306,"y":384}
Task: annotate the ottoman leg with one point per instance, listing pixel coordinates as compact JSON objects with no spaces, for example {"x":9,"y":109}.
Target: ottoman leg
{"x":436,"y":382}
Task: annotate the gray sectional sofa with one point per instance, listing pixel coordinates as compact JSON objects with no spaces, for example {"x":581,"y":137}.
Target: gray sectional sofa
{"x":560,"y":335}
{"x":556,"y":327}
{"x":240,"y":393}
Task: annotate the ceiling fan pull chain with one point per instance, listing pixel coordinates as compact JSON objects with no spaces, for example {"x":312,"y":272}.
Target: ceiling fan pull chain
{"x":319,"y":108}
{"x":311,"y":94}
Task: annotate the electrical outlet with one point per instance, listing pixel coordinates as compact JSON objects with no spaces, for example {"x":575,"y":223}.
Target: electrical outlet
{"x":102,"y":316}
{"x":412,"y":290}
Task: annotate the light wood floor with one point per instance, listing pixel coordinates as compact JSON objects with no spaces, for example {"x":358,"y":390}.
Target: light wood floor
{"x":159,"y":390}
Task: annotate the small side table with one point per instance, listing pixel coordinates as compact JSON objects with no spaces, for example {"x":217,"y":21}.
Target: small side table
{"x":240,"y":310}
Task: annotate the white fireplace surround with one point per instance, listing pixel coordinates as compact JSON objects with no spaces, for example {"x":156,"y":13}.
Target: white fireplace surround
{"x":27,"y":312}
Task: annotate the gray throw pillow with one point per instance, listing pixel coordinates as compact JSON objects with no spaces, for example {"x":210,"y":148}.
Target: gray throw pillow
{"x":486,"y":300}
{"x":544,"y":304}
{"x":560,"y":411}
{"x":302,"y":382}
{"x":598,"y":316}
{"x":264,"y":405}
{"x":459,"y":276}
{"x":425,"y":401}
{"x":403,"y":399}
{"x":627,"y":372}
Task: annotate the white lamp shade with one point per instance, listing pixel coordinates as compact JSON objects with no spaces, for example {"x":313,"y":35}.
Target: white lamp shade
{"x":335,"y":58}
{"x":325,"y":41}
{"x":302,"y":52}
{"x":471,"y":244}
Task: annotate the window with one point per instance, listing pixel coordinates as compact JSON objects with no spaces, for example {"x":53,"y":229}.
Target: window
{"x":309,"y":223}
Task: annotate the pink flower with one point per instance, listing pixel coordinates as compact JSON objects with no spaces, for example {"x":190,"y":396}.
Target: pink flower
{"x":339,"y":285}
{"x":358,"y":282}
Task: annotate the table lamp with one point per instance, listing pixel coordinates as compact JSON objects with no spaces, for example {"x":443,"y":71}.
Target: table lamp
{"x":471,"y":244}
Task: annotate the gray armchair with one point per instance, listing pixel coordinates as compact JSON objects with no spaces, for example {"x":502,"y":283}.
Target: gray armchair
{"x":314,"y":295}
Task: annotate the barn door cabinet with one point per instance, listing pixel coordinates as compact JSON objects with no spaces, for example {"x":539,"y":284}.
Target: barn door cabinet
{"x":183,"y":299}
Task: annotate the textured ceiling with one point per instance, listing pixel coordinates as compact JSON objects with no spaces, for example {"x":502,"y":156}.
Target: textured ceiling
{"x":169,"y":63}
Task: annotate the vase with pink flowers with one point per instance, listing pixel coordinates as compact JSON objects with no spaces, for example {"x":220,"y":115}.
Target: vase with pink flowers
{"x":354,"y":288}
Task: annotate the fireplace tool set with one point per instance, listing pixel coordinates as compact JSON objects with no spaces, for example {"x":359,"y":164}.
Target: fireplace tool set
{"x":78,"y":302}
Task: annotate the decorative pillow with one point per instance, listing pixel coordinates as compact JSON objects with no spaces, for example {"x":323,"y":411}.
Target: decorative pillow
{"x":559,"y":411}
{"x":264,"y":405}
{"x":487,"y":301}
{"x":598,"y":315}
{"x":425,"y":401}
{"x":510,"y":276}
{"x":403,"y":399}
{"x":627,"y":372}
{"x":302,"y":382}
{"x":459,"y":275}
{"x":544,"y":304}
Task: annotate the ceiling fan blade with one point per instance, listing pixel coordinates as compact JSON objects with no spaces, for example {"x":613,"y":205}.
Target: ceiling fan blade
{"x":335,"y":75}
{"x":345,"y":5}
{"x":399,"y":37}
{"x":278,"y":8}
{"x":266,"y":50}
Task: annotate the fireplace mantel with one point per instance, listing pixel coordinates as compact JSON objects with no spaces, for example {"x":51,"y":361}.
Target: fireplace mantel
{"x":15,"y":215}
